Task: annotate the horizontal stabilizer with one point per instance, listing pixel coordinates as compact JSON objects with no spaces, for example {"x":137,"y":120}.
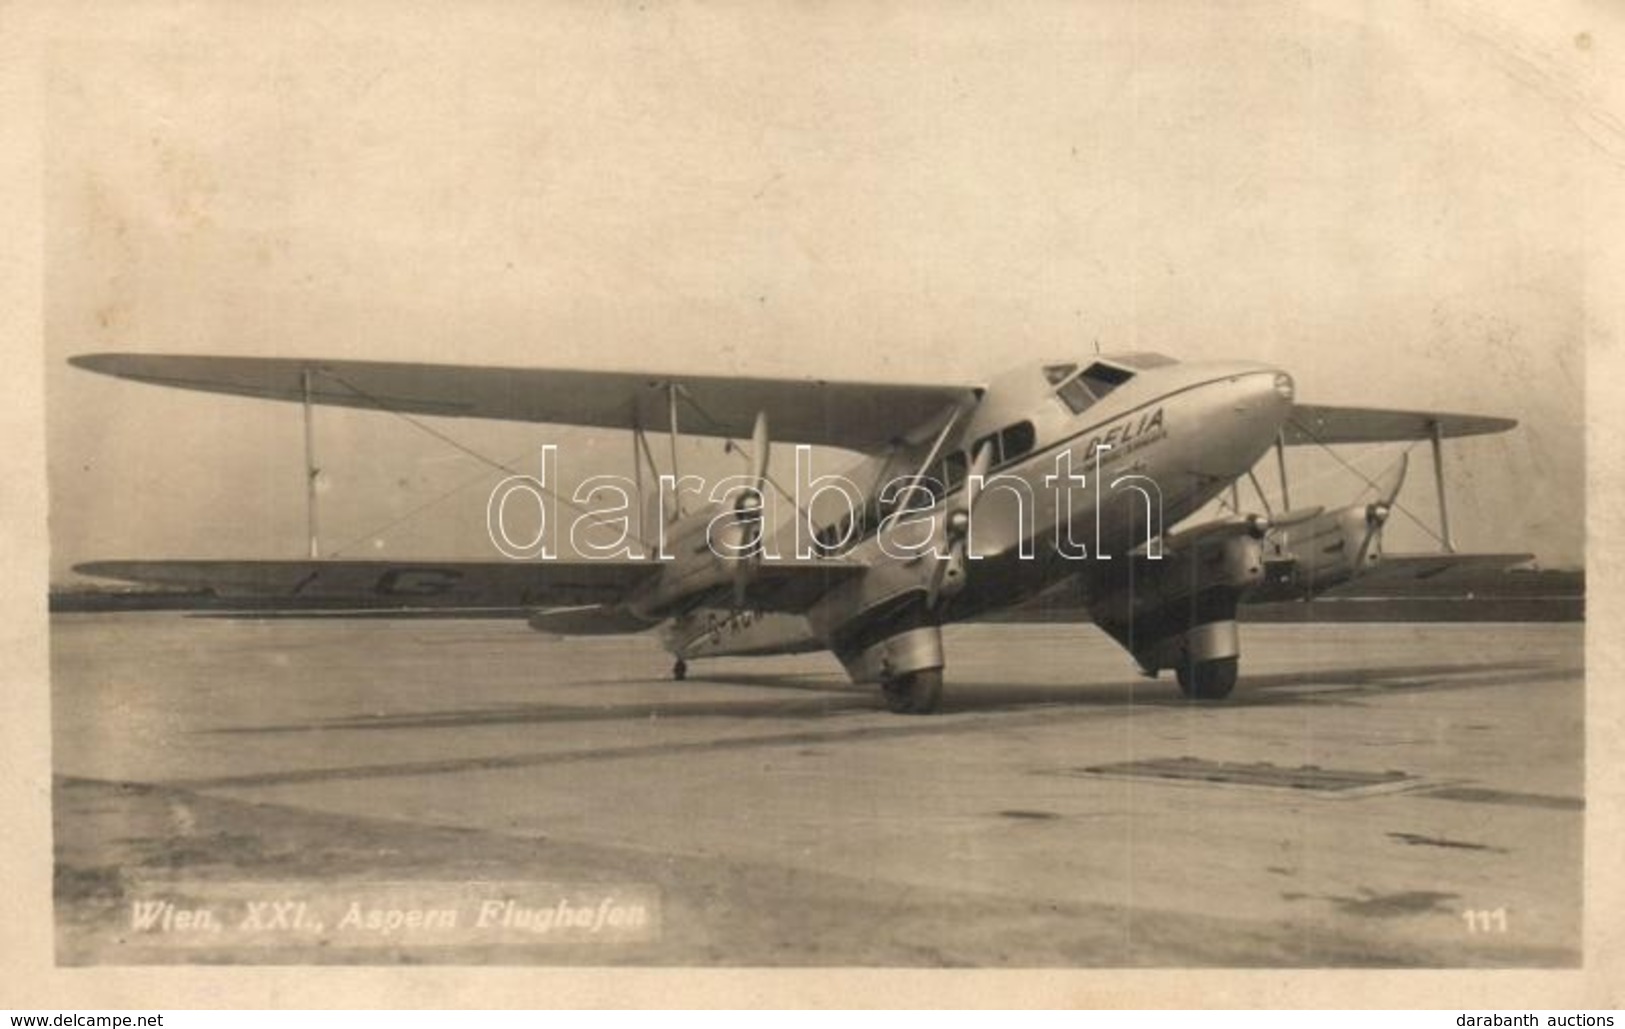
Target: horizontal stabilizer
{"x":598,"y":620}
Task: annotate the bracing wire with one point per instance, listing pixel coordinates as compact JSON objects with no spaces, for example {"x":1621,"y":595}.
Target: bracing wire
{"x":458,"y":445}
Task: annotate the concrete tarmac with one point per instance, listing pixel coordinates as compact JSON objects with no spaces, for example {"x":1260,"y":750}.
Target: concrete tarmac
{"x":1371,"y":795}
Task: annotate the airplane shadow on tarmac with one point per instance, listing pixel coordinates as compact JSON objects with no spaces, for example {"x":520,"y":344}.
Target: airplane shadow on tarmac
{"x":809,"y":698}
{"x":1324,"y":687}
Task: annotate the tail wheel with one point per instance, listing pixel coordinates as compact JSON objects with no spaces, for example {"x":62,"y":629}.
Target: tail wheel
{"x":679,"y":671}
{"x":917,"y":693}
{"x":1208,"y":680}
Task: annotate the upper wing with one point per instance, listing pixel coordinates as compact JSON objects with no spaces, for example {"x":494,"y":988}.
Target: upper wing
{"x":854,"y":415}
{"x":1315,"y":423}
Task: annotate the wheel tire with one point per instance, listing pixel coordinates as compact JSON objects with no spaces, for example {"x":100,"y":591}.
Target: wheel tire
{"x":1208,"y":680}
{"x":679,"y":671}
{"x":918,"y":693}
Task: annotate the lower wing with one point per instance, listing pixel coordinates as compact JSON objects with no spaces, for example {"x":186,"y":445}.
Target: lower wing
{"x":384,"y":585}
{"x":514,"y":588}
{"x":1394,"y":577}
{"x":1399,"y":574}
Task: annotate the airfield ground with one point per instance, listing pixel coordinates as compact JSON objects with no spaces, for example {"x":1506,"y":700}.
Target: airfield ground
{"x":1389,"y":795}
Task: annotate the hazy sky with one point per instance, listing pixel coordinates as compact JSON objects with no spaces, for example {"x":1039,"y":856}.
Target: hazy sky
{"x":1389,"y":203}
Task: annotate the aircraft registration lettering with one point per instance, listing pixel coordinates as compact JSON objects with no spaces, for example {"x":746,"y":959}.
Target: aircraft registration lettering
{"x":417,"y":582}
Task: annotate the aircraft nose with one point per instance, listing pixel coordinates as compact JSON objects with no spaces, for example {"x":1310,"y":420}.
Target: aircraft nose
{"x":1263,"y":398}
{"x":1284,"y":386}
{"x":1257,"y":402}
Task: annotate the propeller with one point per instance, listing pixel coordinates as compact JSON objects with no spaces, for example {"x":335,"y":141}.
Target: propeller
{"x":748,"y":510}
{"x":949,"y":576}
{"x":1378,"y":511}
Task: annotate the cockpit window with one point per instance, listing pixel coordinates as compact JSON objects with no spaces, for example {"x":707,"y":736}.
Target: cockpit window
{"x":1076,"y":395}
{"x":1103,"y":378}
{"x":1094,"y":382}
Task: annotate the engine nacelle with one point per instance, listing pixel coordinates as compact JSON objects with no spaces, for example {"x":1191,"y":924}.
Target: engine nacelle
{"x":706,"y":550}
{"x":1324,"y":552}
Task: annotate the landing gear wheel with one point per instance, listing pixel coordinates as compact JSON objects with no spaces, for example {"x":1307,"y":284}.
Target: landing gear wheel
{"x":917,"y":693}
{"x":679,"y":671}
{"x":1208,"y":680}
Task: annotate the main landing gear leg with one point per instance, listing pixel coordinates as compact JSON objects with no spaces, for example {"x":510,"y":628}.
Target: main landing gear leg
{"x":917,"y":693}
{"x":907,"y":664}
{"x":679,"y":671}
{"x":1208,"y":661}
{"x":1207,"y":680}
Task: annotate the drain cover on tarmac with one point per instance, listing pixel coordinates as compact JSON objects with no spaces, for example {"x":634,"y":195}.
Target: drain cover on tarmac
{"x":1229,"y":773}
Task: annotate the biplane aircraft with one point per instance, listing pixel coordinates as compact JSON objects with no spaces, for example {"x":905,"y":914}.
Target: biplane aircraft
{"x":1068,"y":478}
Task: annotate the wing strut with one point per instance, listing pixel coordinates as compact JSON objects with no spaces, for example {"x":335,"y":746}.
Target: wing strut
{"x":1280,"y":464}
{"x":642,"y":454}
{"x":1263,"y":498}
{"x":936,"y":448}
{"x":637,"y":469}
{"x":311,"y":471}
{"x":671,"y":400}
{"x":1438,"y":482}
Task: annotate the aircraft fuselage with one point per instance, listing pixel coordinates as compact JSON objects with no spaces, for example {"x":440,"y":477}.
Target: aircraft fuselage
{"x":1080,"y":472}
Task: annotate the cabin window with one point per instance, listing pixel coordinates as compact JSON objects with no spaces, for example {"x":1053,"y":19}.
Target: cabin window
{"x":1016,"y":441}
{"x":1009,"y":444}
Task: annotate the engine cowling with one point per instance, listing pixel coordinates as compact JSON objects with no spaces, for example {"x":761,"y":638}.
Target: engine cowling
{"x":697,"y":563}
{"x":1324,"y":552}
